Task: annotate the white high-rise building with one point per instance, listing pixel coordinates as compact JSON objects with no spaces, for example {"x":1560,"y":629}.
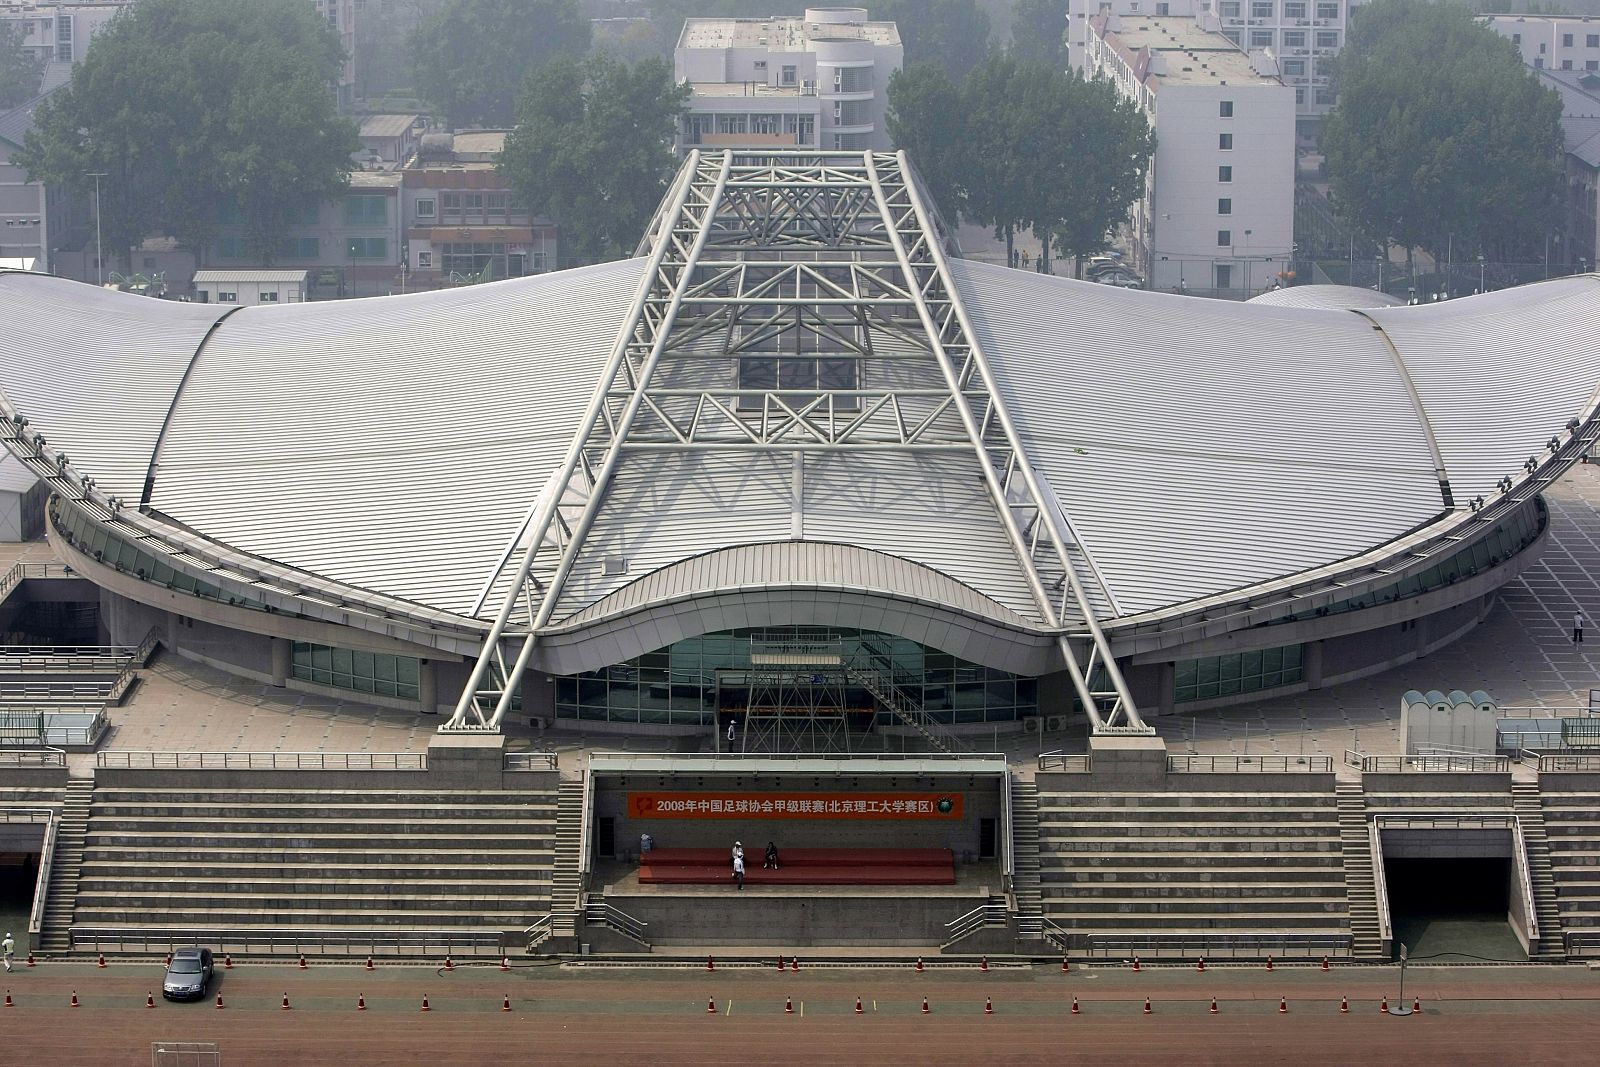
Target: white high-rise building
{"x":1551,"y":42}
{"x":818,"y":80}
{"x":1301,"y":34}
{"x":1217,"y":217}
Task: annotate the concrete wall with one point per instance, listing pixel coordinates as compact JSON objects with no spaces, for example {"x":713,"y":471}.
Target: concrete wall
{"x":796,"y":921}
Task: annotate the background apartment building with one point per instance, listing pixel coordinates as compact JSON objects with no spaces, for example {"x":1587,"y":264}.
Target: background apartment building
{"x":1551,"y":42}
{"x":1217,"y":217}
{"x":819,"y":80}
{"x":1302,"y":36}
{"x":59,"y":31}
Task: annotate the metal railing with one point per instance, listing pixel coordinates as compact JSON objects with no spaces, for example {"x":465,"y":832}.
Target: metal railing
{"x":65,"y":658}
{"x":584,"y":830}
{"x":1070,"y":762}
{"x":883,"y":757}
{"x":32,"y":757}
{"x":1250,"y":764}
{"x":261,"y":761}
{"x":54,"y":692}
{"x":1530,"y":711}
{"x":1519,"y":862}
{"x":431,"y":944}
{"x":14,"y":577}
{"x":41,"y":885}
{"x":531,"y":761}
{"x":1054,"y":933}
{"x":1380,"y":887}
{"x":1581,"y":942}
{"x":987,"y":914}
{"x":1218,"y":946}
{"x":56,"y":732}
{"x":1568,"y":764}
{"x":1428,"y":764}
{"x":599,"y":913}
{"x":1007,"y":861}
{"x":538,"y":931}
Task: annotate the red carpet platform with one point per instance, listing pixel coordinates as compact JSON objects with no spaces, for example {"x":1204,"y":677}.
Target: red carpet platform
{"x":802,"y":866}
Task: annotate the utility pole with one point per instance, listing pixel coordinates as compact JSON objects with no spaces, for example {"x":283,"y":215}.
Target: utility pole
{"x":99,"y":257}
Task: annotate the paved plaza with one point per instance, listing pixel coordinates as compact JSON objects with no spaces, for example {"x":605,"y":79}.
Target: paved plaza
{"x":1522,"y":654}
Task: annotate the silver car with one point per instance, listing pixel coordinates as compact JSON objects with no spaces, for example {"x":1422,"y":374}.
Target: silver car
{"x":187,"y":975}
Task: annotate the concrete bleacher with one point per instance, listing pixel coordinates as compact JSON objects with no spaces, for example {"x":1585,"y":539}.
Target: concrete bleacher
{"x":345,"y":861}
{"x":1187,"y":864}
{"x":1572,"y":827}
{"x":802,"y":866}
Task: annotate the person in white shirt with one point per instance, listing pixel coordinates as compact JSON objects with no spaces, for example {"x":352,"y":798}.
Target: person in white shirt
{"x":738,"y":869}
{"x":8,"y":950}
{"x":1577,"y":628}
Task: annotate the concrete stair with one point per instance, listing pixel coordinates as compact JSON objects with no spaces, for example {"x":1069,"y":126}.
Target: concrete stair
{"x":1361,"y":890}
{"x":567,"y":881}
{"x":65,"y":868}
{"x":1571,"y":822}
{"x":1132,"y":865}
{"x":338,"y":862}
{"x":1025,"y":886}
{"x":1525,"y":801}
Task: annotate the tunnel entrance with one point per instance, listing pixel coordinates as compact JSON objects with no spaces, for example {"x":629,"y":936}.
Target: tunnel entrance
{"x":18,"y":873}
{"x":1452,"y":907}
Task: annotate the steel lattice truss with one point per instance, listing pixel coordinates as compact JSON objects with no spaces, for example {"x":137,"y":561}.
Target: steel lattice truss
{"x":800,"y":269}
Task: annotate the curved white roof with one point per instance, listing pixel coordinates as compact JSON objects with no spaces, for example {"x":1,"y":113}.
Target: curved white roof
{"x":1195,"y":447}
{"x":1347,"y":297}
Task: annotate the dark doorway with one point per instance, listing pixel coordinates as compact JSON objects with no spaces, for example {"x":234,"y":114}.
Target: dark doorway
{"x":18,"y":873}
{"x":986,"y":839}
{"x":1454,"y":908}
{"x":606,"y":837}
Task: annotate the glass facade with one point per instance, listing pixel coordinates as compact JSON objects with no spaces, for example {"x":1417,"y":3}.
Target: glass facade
{"x":687,"y":683}
{"x":1240,"y":672}
{"x":93,"y":539}
{"x":359,"y":672}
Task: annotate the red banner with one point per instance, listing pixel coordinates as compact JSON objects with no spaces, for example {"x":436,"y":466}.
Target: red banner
{"x":803,"y":805}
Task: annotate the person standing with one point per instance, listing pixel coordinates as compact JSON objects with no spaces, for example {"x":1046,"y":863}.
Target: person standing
{"x":738,"y":869}
{"x":8,"y":950}
{"x":733,"y":728}
{"x":1577,"y":628}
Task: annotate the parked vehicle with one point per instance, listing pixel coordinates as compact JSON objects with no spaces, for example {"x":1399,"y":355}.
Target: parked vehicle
{"x":188,"y":974}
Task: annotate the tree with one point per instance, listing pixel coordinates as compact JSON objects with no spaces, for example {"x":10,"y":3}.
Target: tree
{"x":20,"y":69}
{"x":1039,"y":32}
{"x":951,"y":33}
{"x":592,"y":150}
{"x":992,"y":170}
{"x":471,"y":55}
{"x":1441,"y":134}
{"x":925,"y":119}
{"x":189,"y":105}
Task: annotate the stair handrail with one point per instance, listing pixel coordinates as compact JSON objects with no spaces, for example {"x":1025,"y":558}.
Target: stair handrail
{"x":1380,"y":887}
{"x":601,"y":913}
{"x":41,"y":885}
{"x":1070,"y":762}
{"x":538,"y":931}
{"x":1008,"y":827}
{"x":1519,"y":863}
{"x":986,"y":914}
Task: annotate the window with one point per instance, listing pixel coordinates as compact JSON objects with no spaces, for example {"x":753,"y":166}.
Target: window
{"x":1538,"y":62}
{"x":1566,"y":40}
{"x":1516,"y":38}
{"x":1261,"y":9}
{"x":1299,"y":96}
{"x":1326,"y":10}
{"x":852,"y":112}
{"x":1294,"y":38}
{"x":1566,"y":64}
{"x":299,"y":248}
{"x":426,"y":208}
{"x":1163,"y":9}
{"x":854,"y":79}
{"x":789,"y":74}
{"x":369,"y":247}
{"x":1224,"y":238}
{"x":802,"y":127}
{"x":1223,"y":276}
{"x":267,"y":298}
{"x":1591,"y":40}
{"x":1260,"y":38}
{"x":1230,"y":9}
{"x":1591,"y":64}
{"x":362,"y":672}
{"x":64,"y":38}
{"x":230,"y":248}
{"x":366,"y":210}
{"x":1224,"y":174}
{"x":1294,"y":9}
{"x":425,"y":260}
{"x":1327,"y":38}
{"x":1326,"y":96}
{"x":1225,"y":141}
{"x":1294,"y":68}
{"x":1224,"y":207}
{"x":495,"y":204}
{"x":227,"y":297}
{"x":1225,"y":109}
{"x":1232,"y":35}
{"x":1238,"y":672}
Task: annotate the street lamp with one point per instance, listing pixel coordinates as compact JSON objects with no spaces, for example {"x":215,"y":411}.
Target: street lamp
{"x":99,"y":256}
{"x":1379,"y":260}
{"x":1481,"y":286}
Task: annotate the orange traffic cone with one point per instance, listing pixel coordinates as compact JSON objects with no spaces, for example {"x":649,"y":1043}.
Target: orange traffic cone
{"x":30,"y":960}
{"x":925,"y":1008}
{"x":424,"y":1004}
{"x":227,"y":963}
{"x":1384,"y":1007}
{"x":8,"y":999}
{"x":858,"y":1006}
{"x":1213,"y":1005}
{"x":780,"y":964}
{"x":370,"y":967}
{"x":219,"y":1002}
{"x":505,"y":963}
{"x":1344,"y":1005}
{"x":101,"y":962}
{"x":1283,"y":1005}
{"x":1074,"y":1005}
{"x":794,"y":964}
{"x":710,"y":964}
{"x":74,"y":1003}
{"x":149,"y":1000}
{"x":302,"y":961}
{"x":361,"y":1002}
{"x":1324,"y":963}
{"x":1064,"y":967}
{"x":919,"y":964}
{"x":449,"y":966}
{"x":788,"y":1005}
{"x":983,"y":965}
{"x":1147,"y":1005}
{"x":711,"y":1005}
{"x":988,"y":1005}
{"x":1201,"y":965}
{"x":1269,"y":963}
{"x":285,"y":1005}
{"x":1416,"y":1007}
{"x":1136,"y":963}
{"x":505,"y":1004}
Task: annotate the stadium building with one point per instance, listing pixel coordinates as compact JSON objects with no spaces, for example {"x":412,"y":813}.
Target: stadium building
{"x":799,"y":469}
